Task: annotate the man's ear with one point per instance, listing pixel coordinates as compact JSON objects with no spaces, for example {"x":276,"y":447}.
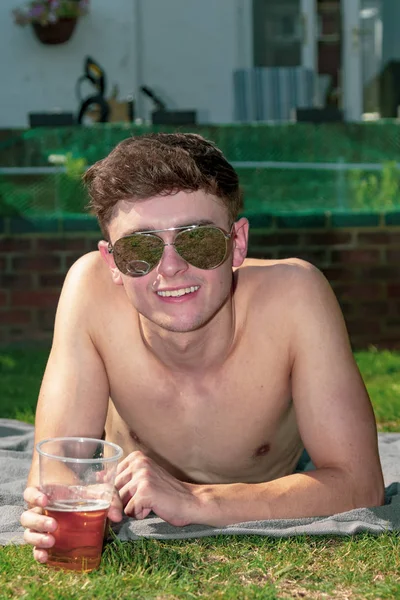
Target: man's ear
{"x":240,"y":242}
{"x":108,"y":258}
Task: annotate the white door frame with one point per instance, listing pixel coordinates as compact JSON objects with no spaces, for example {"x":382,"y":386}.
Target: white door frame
{"x":244,"y":34}
{"x":351,"y":84}
{"x":308,"y":9}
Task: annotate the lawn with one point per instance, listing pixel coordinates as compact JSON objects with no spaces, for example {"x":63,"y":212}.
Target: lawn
{"x":237,"y":567}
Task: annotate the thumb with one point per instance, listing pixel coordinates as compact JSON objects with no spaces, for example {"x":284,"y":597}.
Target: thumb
{"x":115,"y":511}
{"x":34,"y":497}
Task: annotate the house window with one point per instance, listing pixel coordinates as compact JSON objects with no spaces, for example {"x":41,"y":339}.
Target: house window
{"x":277,"y":33}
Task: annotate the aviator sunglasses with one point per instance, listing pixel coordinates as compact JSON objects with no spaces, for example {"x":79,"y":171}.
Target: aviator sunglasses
{"x":202,"y":246}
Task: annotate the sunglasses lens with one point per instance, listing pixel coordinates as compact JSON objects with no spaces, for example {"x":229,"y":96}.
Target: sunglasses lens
{"x":203,"y":248}
{"x":137,"y":254}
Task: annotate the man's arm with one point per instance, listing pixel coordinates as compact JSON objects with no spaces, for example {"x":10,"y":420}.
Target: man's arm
{"x":73,"y":398}
{"x":335,"y":420}
{"x":334,"y":415}
{"x":333,"y":410}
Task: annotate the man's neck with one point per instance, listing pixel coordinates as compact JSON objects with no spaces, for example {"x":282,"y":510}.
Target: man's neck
{"x":202,"y":349}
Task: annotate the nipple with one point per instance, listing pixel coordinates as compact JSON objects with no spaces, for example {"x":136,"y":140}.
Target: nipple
{"x":134,"y":436}
{"x":262,"y":450}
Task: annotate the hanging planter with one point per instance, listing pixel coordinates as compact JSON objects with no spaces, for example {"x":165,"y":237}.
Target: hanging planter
{"x":53,"y":21}
{"x":55,"y":33}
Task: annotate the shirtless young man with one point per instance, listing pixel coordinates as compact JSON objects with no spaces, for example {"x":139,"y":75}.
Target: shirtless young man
{"x":211,"y":377}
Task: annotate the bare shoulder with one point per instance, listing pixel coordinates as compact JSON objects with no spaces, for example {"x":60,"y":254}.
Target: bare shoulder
{"x":291,"y":275}
{"x":289,"y":297}
{"x":290,"y":289}
{"x":87,"y":269}
{"x":89,"y":277}
{"x":86,"y":287}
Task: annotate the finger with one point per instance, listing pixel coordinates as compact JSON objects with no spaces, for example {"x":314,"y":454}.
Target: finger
{"x":35,"y":497}
{"x":132,"y":473}
{"x":137,"y":508}
{"x":139,"y":470}
{"x":28,"y":516}
{"x":115,"y":514}
{"x":123,"y":478}
{"x":115,"y":510}
{"x":36,"y":509}
{"x":39,"y":540}
{"x":131,"y":458}
{"x":40,"y":555}
{"x":124,"y":464}
{"x":99,"y":477}
{"x":127,"y":492}
{"x":35,"y":520}
{"x":105,"y":476}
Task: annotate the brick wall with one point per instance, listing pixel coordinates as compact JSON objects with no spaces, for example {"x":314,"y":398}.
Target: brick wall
{"x":358,"y":253}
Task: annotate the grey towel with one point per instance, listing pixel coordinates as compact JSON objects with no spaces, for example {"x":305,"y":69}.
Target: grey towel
{"x":16,"y":444}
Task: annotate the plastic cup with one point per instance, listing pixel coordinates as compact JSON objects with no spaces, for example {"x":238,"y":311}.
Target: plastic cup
{"x":77,"y":475}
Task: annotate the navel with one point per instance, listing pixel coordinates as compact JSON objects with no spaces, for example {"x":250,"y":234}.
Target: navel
{"x":262,"y":450}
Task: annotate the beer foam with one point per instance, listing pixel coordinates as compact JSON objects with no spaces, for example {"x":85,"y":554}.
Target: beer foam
{"x":74,"y":505}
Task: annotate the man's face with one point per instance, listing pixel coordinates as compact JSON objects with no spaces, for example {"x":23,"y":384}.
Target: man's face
{"x":205,"y":290}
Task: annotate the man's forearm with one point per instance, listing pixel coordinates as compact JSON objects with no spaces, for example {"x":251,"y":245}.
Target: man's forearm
{"x":317,"y":493}
{"x":33,"y":476}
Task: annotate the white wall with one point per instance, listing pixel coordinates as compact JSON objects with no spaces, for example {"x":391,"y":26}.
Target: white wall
{"x":186,"y":51}
{"x":189,"y":54}
{"x":36,"y":77}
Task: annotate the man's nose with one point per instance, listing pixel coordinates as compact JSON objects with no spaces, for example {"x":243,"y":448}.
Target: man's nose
{"x":171,"y":262}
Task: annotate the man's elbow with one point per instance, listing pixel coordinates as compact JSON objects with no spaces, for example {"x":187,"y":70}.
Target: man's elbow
{"x":378,"y":495}
{"x":368,"y":494}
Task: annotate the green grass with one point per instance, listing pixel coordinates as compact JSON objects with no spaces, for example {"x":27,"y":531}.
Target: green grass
{"x":21,"y":372}
{"x":234,"y":567}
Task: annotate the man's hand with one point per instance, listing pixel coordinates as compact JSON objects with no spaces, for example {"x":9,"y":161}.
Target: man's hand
{"x":144,"y":486}
{"x":39,"y":527}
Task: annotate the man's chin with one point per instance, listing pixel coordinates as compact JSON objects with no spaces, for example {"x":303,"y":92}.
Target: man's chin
{"x":179,"y":324}
{"x":181,"y":327}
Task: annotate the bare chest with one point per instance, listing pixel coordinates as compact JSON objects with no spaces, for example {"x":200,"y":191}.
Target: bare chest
{"x":236,"y":425}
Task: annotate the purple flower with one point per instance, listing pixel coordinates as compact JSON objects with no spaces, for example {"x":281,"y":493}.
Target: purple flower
{"x":49,"y":11}
{"x":36,"y":11}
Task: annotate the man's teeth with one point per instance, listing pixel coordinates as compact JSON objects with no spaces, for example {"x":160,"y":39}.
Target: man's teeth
{"x":180,"y":292}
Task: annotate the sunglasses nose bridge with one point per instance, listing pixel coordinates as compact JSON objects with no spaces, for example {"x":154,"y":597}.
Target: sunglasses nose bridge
{"x":165,"y":245}
{"x":171,"y":261}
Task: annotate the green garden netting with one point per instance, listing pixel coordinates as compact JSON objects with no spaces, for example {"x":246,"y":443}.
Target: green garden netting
{"x":288,"y":167}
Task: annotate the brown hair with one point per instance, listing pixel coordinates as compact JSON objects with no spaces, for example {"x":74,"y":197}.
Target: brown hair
{"x":160,"y":164}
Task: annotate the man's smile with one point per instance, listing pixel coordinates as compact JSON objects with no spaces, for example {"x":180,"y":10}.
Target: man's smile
{"x":178,"y":292}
